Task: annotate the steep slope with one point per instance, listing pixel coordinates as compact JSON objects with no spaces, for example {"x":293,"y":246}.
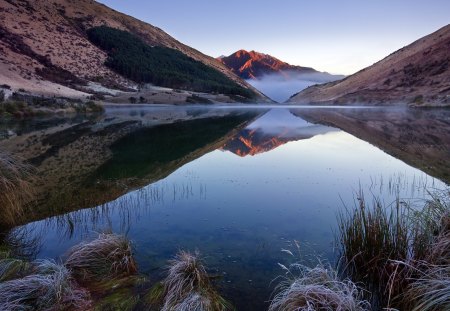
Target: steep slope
{"x":44,"y":47}
{"x":418,"y":73}
{"x":254,"y":65}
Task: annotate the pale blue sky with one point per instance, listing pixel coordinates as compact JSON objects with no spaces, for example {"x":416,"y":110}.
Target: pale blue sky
{"x":329,"y":35}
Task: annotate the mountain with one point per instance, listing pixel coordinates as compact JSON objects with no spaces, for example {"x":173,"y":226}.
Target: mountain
{"x":46,"y":49}
{"x":417,"y":74}
{"x":273,"y":77}
{"x":254,"y":65}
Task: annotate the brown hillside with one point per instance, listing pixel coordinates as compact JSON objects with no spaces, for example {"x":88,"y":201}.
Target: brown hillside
{"x":43,"y":45}
{"x":417,"y":74}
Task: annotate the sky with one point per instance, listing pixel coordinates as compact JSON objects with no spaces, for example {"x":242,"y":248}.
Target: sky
{"x":337,"y":36}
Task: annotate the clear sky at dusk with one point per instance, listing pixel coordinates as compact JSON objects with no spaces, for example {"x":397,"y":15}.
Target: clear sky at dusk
{"x":335,"y":36}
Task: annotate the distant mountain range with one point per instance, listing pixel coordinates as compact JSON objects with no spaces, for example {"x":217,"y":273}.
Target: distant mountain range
{"x":418,"y":74}
{"x":46,"y":47}
{"x":255,"y":65}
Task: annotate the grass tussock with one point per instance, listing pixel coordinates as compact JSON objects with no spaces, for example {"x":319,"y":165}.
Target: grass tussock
{"x":188,"y":286}
{"x":15,"y":188}
{"x":319,"y":288}
{"x":108,"y":256}
{"x":50,"y":287}
{"x":397,"y":247}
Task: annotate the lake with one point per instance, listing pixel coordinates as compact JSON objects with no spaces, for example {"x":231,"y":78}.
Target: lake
{"x":237,"y":184}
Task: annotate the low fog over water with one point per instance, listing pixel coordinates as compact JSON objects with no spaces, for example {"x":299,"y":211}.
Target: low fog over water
{"x":280,"y":87}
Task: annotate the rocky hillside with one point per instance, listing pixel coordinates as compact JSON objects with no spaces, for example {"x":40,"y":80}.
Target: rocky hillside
{"x":417,"y":74}
{"x":44,"y":47}
{"x":254,"y":65}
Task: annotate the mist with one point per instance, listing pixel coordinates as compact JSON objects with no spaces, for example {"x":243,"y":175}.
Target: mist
{"x":281,"y":86}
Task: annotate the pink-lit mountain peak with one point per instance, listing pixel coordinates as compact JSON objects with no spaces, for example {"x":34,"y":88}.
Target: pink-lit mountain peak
{"x":254,"y":65}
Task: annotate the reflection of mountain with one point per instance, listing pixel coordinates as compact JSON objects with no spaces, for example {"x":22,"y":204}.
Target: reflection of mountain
{"x":96,"y":161}
{"x":419,"y":138}
{"x":275,"y":128}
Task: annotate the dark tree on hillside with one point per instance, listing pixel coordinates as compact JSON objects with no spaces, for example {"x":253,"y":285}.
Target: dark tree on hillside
{"x":142,"y":63}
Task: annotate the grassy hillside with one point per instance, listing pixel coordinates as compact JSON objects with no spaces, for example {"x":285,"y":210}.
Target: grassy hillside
{"x":131,"y":57}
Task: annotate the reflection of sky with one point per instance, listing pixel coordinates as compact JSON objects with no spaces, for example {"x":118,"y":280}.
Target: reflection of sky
{"x":282,"y":123}
{"x":239,"y":212}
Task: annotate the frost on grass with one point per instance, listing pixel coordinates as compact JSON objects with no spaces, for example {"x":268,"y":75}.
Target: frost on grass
{"x":319,"y":288}
{"x":49,"y":287}
{"x":187,"y":286}
{"x":107,"y":256}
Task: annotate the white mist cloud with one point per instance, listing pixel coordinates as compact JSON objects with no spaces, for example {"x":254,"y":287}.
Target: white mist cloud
{"x":280,"y":87}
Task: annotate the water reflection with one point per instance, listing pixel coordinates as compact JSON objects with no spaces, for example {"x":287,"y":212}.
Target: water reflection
{"x":188,"y":185}
{"x":273,"y":129}
{"x":84,"y":162}
{"x":420,"y":137}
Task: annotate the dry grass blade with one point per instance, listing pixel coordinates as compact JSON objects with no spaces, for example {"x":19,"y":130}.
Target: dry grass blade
{"x":15,"y":188}
{"x":430,"y":291}
{"x":108,"y":256}
{"x":317,"y":289}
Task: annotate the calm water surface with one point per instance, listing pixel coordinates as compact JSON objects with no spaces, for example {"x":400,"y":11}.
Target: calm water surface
{"x":239,"y":201}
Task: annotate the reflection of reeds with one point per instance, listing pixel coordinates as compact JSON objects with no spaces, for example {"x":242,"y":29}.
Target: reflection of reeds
{"x":318,"y":288}
{"x":49,"y":287}
{"x":23,"y":242}
{"x":108,"y":256}
{"x":15,"y":188}
{"x":188,"y":286}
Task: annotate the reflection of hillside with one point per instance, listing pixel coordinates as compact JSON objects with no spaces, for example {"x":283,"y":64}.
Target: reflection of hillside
{"x":418,"y":137}
{"x":92,"y":163}
{"x":275,"y":128}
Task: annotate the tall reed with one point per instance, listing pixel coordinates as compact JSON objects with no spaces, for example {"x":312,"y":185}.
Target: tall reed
{"x":387,"y":247}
